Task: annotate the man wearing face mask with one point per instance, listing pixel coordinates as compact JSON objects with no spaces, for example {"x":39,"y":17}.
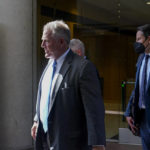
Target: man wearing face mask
{"x":138,"y":109}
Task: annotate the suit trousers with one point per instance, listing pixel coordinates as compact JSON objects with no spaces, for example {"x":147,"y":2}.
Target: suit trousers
{"x":145,"y":132}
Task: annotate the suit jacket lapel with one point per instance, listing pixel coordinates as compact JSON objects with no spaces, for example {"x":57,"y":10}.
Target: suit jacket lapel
{"x":148,"y":83}
{"x":139,"y":63}
{"x":64,"y":69}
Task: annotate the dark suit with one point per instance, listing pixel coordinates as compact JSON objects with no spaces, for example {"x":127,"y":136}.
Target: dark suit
{"x":76,"y":119}
{"x":141,"y":117}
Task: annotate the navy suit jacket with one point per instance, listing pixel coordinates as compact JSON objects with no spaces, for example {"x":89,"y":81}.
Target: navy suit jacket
{"x":134,"y":98}
{"x":76,"y":118}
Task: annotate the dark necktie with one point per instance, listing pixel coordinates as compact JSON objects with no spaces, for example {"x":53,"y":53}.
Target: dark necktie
{"x":45,"y":112}
{"x":143,"y":83}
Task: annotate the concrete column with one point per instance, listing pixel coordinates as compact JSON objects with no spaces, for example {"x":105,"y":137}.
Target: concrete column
{"x":17,"y":72}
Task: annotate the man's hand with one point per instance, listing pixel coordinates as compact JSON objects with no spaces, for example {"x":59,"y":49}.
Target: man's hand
{"x":98,"y":148}
{"x":131,"y":124}
{"x":34,"y":130}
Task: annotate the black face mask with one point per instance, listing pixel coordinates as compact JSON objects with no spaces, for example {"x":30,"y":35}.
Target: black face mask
{"x":139,"y":47}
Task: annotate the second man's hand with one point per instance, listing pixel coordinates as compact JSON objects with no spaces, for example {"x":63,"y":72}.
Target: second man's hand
{"x":131,"y":124}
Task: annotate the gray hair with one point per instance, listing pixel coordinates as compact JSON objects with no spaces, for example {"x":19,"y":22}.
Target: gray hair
{"x":58,"y":29}
{"x":76,"y":44}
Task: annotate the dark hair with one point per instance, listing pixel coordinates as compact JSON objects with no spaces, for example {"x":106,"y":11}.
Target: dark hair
{"x":145,"y":29}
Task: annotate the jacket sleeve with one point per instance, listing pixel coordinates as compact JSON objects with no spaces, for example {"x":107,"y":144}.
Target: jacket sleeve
{"x":128,"y":109}
{"x":35,"y":118}
{"x":93,"y":104}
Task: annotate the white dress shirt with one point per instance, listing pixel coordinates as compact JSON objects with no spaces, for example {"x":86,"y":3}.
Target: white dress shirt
{"x":46,"y":78}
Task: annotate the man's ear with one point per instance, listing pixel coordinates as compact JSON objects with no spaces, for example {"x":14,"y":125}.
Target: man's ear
{"x":61,"y":40}
{"x":79,"y":52}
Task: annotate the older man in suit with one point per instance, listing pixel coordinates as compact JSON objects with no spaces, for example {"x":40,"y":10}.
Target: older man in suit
{"x":138,"y":110}
{"x":77,"y":46}
{"x":69,"y":110}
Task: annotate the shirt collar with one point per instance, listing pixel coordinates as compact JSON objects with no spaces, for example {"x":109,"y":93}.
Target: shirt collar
{"x":61,"y":58}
